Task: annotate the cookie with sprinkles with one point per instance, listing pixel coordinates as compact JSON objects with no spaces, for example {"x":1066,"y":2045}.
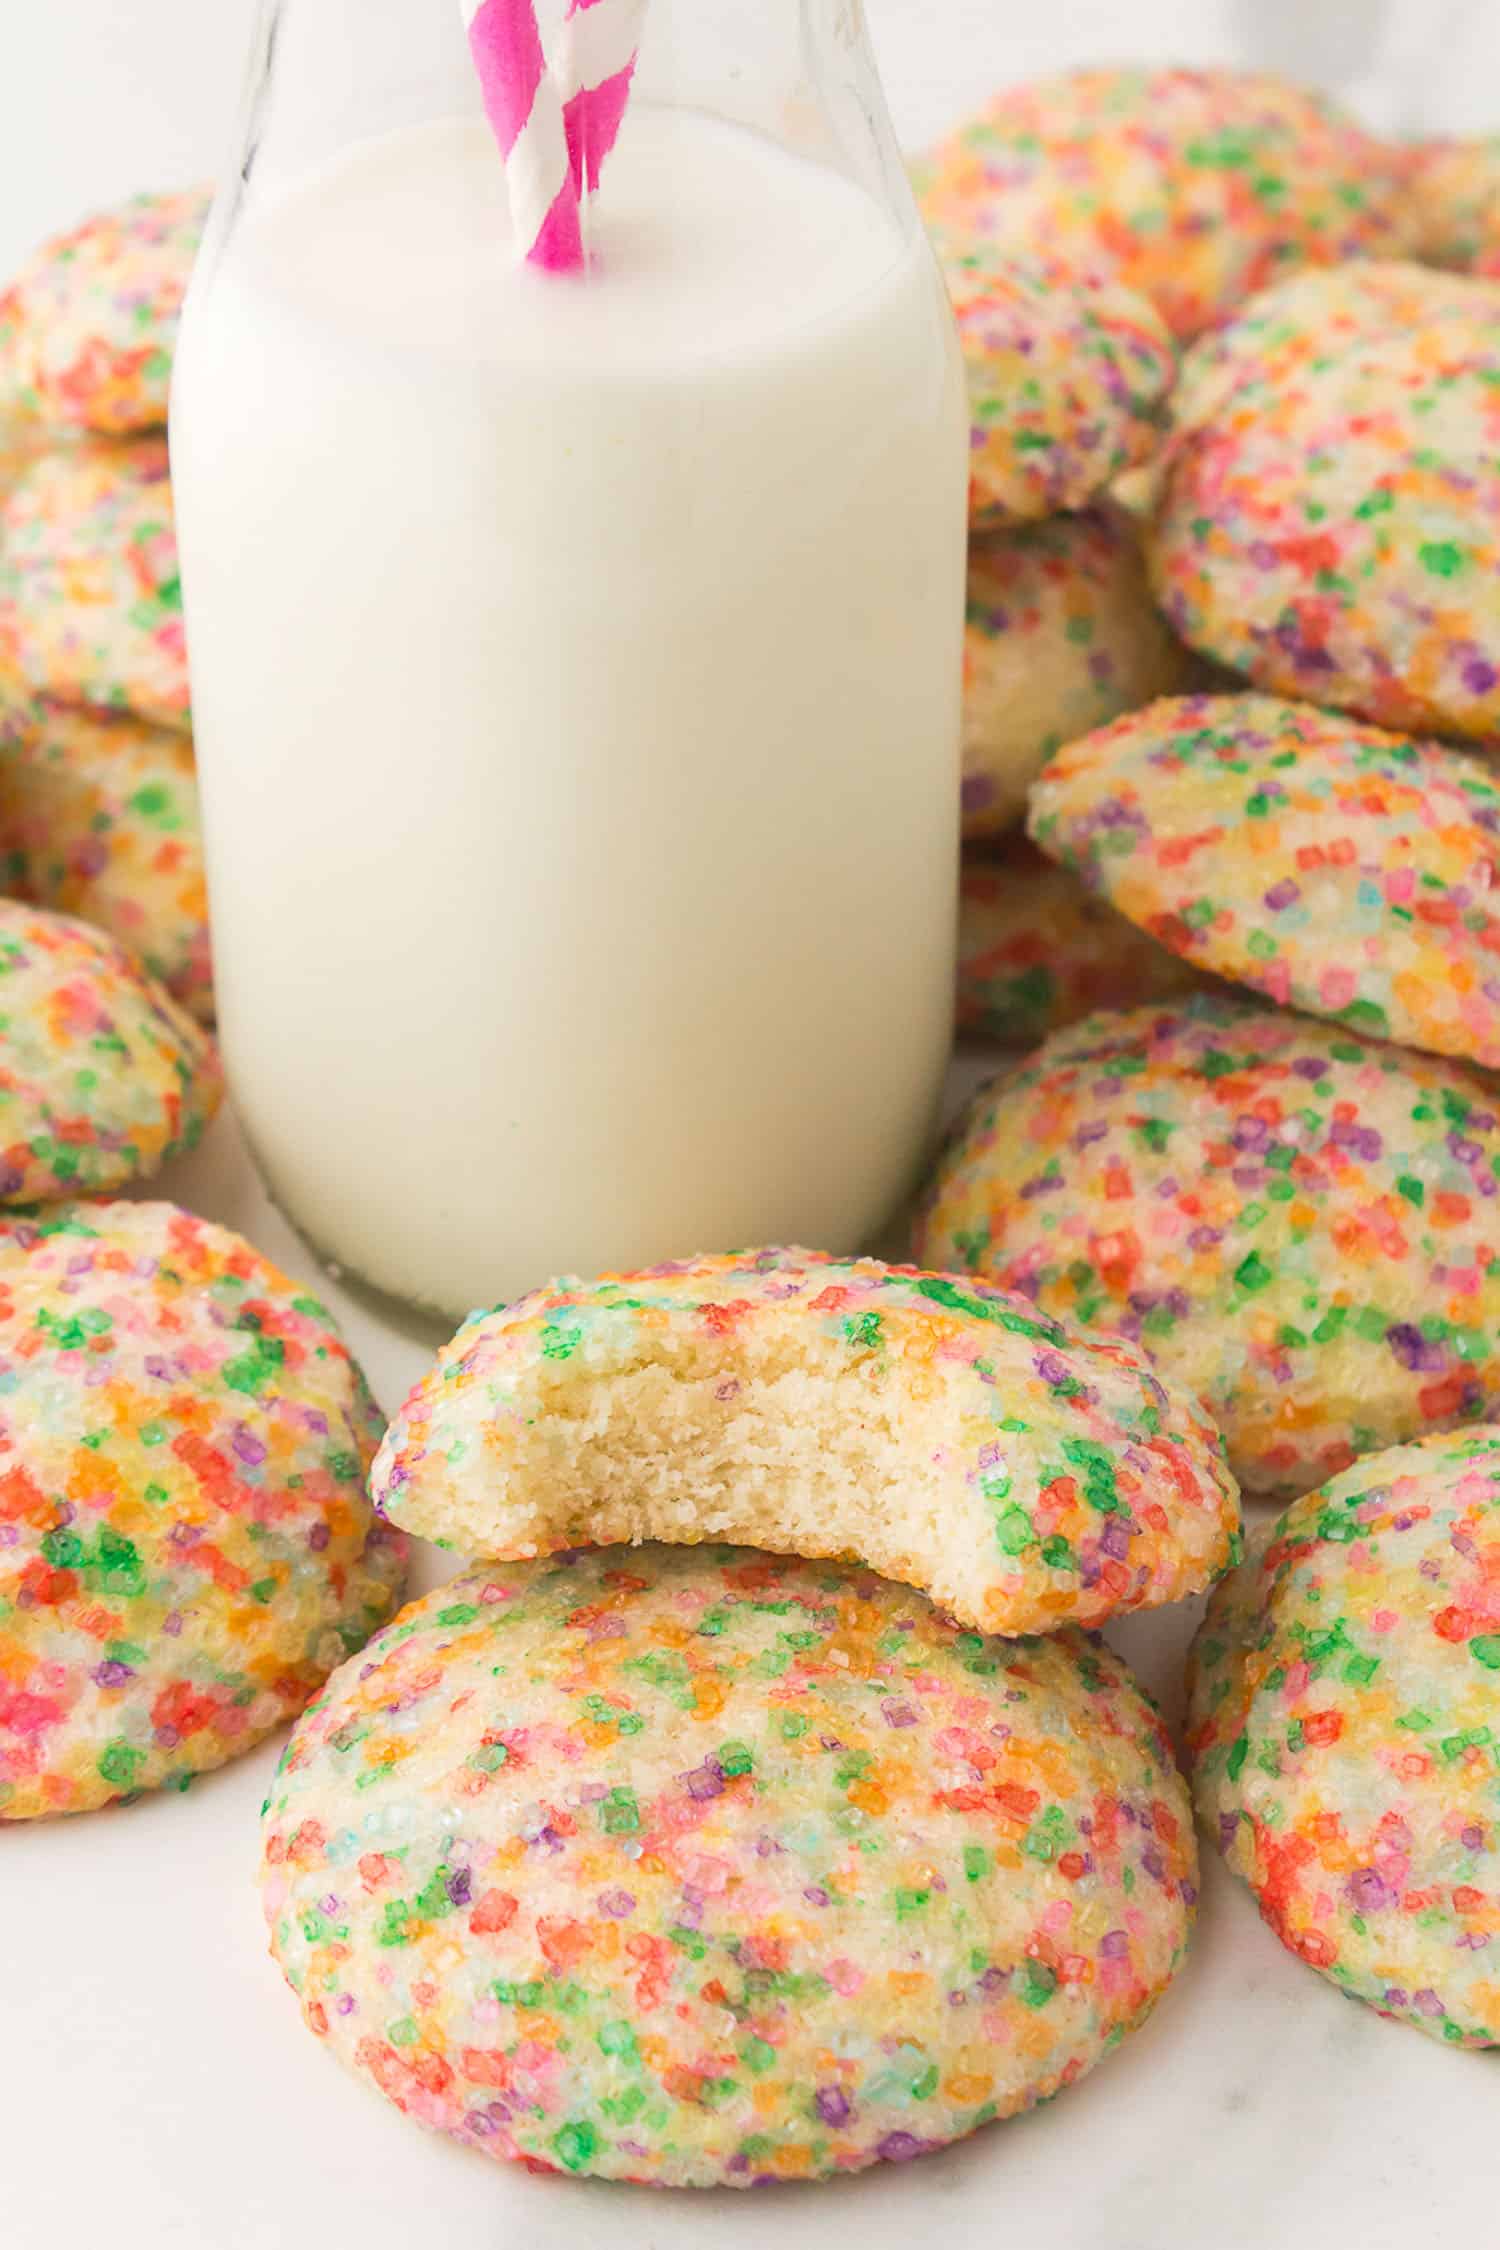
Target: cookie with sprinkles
{"x":1327,"y":509}
{"x":90,"y":596}
{"x":942,"y":1432}
{"x":1327,"y":864}
{"x":92,"y":320}
{"x":186,"y":1550}
{"x":99,"y":819}
{"x":1062,"y":636}
{"x":710,"y":1867}
{"x":103,"y":1078}
{"x":1299,"y":1225}
{"x":1342,"y":1731}
{"x":1195,"y":187}
{"x":1456,"y":188}
{"x":1037,"y":950}
{"x":1068,"y":377}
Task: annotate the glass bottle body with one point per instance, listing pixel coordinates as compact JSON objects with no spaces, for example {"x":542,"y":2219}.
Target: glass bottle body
{"x":576,"y":661}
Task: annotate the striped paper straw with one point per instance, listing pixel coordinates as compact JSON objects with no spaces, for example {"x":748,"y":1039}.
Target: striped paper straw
{"x":525,"y":112}
{"x":595,"y":64}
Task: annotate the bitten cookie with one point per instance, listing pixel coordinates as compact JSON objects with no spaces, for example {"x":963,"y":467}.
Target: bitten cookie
{"x":1036,"y":950}
{"x":943,"y":1433}
{"x":1300,"y":1226}
{"x":1326,"y":864}
{"x":102,"y":1076}
{"x":1195,"y":187}
{"x":1327,"y":509}
{"x":1342,"y":1730}
{"x":90,"y":597}
{"x":99,"y":818}
{"x":1068,"y":377}
{"x":1062,"y":636}
{"x":185,"y":1546}
{"x":90,"y":325}
{"x":710,"y":1867}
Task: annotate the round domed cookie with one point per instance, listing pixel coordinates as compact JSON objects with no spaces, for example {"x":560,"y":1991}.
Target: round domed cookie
{"x":710,"y":1867}
{"x":1455,"y":186}
{"x":1342,"y":1731}
{"x":1195,"y":187}
{"x":99,"y":819}
{"x":1299,"y":1225}
{"x":1326,"y":864}
{"x":1062,"y":636}
{"x":103,"y":1078}
{"x":1036,"y":950}
{"x":1327,"y":509}
{"x":1068,"y":378}
{"x":92,"y":319}
{"x":90,"y":596}
{"x":943,"y":1433}
{"x":186,"y":1550}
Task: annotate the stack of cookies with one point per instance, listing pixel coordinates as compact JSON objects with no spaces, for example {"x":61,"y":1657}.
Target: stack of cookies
{"x":98,"y":796}
{"x":187,"y":1547}
{"x":1129,"y":211}
{"x":1270,"y":1158}
{"x":705,"y":1831}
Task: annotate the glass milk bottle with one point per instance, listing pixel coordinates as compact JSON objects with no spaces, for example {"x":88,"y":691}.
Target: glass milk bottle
{"x":576,"y":654}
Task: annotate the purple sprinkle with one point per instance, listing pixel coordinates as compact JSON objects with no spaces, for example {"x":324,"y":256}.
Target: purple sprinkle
{"x":833,"y":2105}
{"x":899,"y":2148}
{"x":1368,"y":1890}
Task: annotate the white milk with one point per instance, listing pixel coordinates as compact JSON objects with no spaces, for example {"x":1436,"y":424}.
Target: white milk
{"x":576,"y":669}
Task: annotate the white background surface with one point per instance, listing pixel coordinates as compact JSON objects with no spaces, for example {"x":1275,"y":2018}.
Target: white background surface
{"x":156,"y":2087}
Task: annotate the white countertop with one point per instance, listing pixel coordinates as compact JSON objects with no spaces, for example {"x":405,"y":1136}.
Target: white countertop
{"x":157,"y":2088}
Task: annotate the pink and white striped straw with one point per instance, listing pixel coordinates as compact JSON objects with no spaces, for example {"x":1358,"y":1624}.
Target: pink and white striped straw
{"x":525,"y":110}
{"x":595,"y":65}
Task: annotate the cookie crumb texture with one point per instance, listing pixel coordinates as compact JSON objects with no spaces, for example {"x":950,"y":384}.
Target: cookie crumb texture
{"x":1298,"y":1225}
{"x":940,"y":1431}
{"x":710,"y":1868}
{"x":186,"y":1550}
{"x":1342,"y":1728}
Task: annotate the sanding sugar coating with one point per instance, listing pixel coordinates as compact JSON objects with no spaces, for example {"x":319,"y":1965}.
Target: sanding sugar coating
{"x":1062,"y":636}
{"x":99,"y":818}
{"x":1037,"y":950}
{"x":1195,"y":187}
{"x":1300,"y":1225}
{"x":102,"y":1075}
{"x":1328,"y":865}
{"x":90,"y":324}
{"x":90,"y":596}
{"x":941,"y":1432}
{"x":186,"y":1550}
{"x":707,"y":1867}
{"x":1327,"y":509}
{"x":1068,"y":377}
{"x":1342,"y":1731}
{"x":1455,"y":186}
